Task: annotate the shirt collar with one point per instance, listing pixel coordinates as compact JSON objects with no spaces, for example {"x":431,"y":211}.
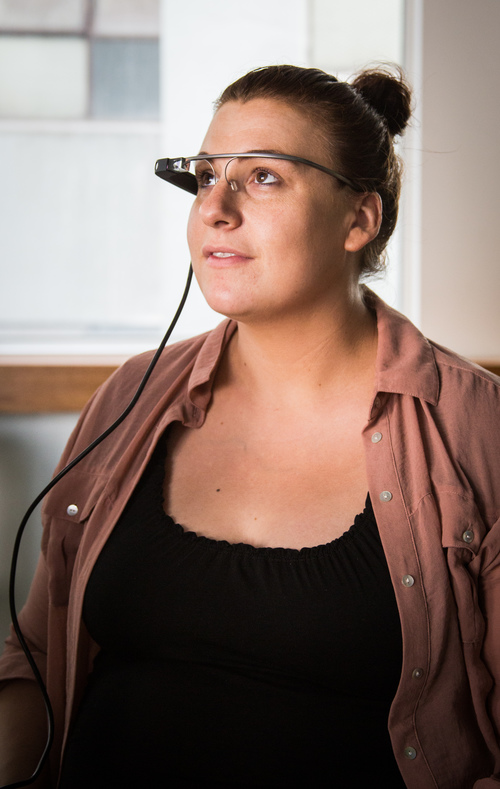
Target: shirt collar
{"x":202,"y":376}
{"x":405,"y":358}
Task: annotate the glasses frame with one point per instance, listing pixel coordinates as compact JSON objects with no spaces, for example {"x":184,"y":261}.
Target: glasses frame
{"x":174,"y":170}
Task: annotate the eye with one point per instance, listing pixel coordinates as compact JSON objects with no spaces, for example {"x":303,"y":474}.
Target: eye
{"x":264,"y":177}
{"x":205,"y":177}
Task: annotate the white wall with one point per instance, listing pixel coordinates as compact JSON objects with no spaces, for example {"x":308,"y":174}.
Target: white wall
{"x":460,"y":119}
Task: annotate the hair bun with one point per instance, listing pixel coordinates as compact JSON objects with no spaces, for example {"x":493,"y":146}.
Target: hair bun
{"x":387,"y":92}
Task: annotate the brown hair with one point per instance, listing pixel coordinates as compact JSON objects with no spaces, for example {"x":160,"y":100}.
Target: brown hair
{"x":360,"y":118}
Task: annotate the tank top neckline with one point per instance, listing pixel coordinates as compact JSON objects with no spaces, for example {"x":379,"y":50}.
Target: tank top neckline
{"x":276,"y":553}
{"x":361,"y":520}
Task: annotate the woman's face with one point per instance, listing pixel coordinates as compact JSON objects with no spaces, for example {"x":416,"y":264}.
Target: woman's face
{"x":277,"y":245}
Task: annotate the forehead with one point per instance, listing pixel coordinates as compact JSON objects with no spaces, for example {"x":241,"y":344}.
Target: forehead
{"x":264,"y":124}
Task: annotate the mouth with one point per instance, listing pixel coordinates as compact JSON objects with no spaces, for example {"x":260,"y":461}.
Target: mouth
{"x":223,"y":257}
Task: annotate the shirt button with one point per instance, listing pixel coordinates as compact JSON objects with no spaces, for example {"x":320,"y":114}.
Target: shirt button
{"x":72,"y":509}
{"x":376,"y":437}
{"x":408,"y":580}
{"x":377,"y":402}
{"x":386,"y":495}
{"x":410,"y":752}
{"x":468,"y":535}
{"x":417,"y":673}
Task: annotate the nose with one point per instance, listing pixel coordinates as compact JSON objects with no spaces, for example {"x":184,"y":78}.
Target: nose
{"x":219,"y":205}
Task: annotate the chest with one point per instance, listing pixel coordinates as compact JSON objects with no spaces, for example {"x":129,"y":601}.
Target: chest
{"x":271,"y":482}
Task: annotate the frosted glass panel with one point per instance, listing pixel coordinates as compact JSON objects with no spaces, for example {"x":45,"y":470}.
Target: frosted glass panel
{"x":43,"y":77}
{"x":346,"y":36}
{"x":39,"y":15}
{"x":81,"y":224}
{"x":125,"y":79}
{"x":126,"y":18}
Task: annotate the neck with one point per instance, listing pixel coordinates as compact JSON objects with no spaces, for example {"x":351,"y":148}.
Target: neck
{"x":316,"y":356}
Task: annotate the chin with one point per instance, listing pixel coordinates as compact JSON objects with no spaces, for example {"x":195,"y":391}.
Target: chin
{"x":229,"y":299}
{"x":229,"y":309}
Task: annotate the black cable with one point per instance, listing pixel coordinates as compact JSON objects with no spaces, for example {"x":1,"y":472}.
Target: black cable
{"x":36,"y":502}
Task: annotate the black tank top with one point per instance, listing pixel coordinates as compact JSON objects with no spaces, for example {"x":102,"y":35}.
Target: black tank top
{"x":232,"y":666}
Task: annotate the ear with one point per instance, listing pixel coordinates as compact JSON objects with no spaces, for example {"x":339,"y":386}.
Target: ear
{"x":366,"y":221}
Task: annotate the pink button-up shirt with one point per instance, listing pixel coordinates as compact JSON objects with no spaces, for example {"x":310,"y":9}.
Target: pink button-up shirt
{"x":432,"y":442}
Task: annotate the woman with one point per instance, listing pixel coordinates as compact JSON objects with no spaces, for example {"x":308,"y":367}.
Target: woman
{"x":293,"y":630}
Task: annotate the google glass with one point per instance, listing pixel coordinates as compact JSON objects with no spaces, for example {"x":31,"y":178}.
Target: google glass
{"x":180,"y":171}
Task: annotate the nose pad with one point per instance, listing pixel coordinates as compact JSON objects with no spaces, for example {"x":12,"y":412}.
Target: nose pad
{"x":232,"y":183}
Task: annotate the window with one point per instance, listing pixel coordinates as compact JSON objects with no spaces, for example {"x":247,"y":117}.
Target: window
{"x":92,"y":92}
{"x":79,"y":134}
{"x":75,"y":59}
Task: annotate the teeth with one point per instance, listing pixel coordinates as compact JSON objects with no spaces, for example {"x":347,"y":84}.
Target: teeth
{"x":223,"y":254}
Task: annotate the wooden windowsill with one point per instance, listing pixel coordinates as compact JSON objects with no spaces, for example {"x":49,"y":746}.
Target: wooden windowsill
{"x":493,"y":365}
{"x":58,"y":384}
{"x":51,"y":384}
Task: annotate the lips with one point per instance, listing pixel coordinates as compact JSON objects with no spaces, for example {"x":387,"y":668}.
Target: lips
{"x":222,"y":257}
{"x":222,"y":252}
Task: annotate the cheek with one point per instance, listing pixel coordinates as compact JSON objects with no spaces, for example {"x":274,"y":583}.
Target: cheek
{"x":192,"y":227}
{"x":300,"y":232}
{"x":196,"y":230}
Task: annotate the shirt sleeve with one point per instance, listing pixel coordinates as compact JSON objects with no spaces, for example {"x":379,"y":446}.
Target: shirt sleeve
{"x":489,"y":591}
{"x":33,"y":624}
{"x":34,"y":616}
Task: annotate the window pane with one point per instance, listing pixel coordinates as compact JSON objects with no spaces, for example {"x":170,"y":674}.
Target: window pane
{"x":81,"y":225}
{"x":126,"y":18}
{"x":43,"y":77}
{"x":125,"y":79}
{"x":40,"y":15}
